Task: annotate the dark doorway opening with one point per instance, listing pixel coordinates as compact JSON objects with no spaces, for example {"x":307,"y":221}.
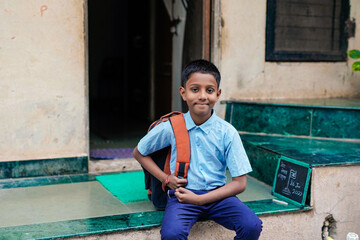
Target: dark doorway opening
{"x":120,"y":51}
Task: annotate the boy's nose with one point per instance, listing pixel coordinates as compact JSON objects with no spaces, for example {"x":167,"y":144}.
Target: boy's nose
{"x":202,"y":95}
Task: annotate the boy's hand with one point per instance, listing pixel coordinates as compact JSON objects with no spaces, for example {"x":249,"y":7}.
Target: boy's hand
{"x":186,"y":196}
{"x":175,"y":182}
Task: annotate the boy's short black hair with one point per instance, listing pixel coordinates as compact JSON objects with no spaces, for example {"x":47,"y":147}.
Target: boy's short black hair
{"x":201,"y":66}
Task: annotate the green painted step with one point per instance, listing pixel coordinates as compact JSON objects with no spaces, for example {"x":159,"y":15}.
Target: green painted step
{"x":322,"y":118}
{"x":264,"y":152}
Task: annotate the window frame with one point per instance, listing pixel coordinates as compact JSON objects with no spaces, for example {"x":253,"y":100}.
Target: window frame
{"x":298,"y":56}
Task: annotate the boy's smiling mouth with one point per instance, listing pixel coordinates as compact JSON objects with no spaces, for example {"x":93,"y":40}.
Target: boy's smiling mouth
{"x":201,"y":104}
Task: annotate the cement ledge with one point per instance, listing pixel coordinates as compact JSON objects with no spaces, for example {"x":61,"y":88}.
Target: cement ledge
{"x":118,"y":223}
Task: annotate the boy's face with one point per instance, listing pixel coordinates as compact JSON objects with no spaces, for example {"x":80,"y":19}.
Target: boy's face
{"x":200,"y":93}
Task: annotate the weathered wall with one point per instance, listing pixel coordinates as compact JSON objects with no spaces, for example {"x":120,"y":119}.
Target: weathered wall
{"x":43,"y":95}
{"x":336,"y":190}
{"x":246,"y":75}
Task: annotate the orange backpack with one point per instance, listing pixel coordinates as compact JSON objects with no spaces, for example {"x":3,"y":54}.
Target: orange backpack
{"x":156,"y":189}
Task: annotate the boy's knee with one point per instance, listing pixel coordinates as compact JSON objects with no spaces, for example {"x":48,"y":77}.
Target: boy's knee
{"x":250,"y":230}
{"x":256,"y":227}
{"x":173,"y":233}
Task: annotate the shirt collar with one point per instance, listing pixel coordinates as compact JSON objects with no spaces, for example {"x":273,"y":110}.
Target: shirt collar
{"x":205,"y":127}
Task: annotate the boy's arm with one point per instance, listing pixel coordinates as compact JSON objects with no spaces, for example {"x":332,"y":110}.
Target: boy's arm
{"x":236,"y":186}
{"x":151,"y":167}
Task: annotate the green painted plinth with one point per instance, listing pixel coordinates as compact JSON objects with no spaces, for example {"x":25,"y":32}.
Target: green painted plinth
{"x":315,"y":152}
{"x":326,"y":118}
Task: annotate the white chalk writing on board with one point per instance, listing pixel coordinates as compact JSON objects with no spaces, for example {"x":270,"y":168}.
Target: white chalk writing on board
{"x":291,"y":180}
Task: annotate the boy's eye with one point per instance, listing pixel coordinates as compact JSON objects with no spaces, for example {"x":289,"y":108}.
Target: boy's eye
{"x":210,"y":90}
{"x":194,"y":90}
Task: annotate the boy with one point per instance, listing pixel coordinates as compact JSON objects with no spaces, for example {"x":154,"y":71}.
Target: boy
{"x":215,"y":145}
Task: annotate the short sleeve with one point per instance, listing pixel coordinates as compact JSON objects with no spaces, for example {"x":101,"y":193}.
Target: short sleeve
{"x":236,"y":158}
{"x":157,"y":138}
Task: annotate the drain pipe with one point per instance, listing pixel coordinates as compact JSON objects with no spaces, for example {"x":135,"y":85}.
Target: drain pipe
{"x":325,"y":231}
{"x":328,"y":228}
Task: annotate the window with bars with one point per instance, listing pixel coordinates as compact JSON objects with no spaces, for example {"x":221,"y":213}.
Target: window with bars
{"x":306,"y":30}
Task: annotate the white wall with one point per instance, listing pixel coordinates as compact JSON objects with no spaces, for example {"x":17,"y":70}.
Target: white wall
{"x":43,"y":98}
{"x":246,"y":75}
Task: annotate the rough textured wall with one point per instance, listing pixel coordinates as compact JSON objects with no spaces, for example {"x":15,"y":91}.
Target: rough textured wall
{"x":246,"y":75}
{"x":43,"y":95}
{"x":336,"y":191}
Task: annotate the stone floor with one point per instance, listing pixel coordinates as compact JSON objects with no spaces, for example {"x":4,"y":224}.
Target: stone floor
{"x":81,"y":200}
{"x":40,"y":208}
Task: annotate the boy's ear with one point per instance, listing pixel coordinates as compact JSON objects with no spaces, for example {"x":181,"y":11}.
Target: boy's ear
{"x":182,"y":93}
{"x":218,"y":93}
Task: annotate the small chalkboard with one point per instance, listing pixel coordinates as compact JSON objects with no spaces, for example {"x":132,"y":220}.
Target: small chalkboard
{"x":292,"y":180}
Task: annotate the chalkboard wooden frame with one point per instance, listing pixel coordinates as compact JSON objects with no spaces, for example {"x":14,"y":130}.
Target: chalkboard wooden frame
{"x":295,"y":196}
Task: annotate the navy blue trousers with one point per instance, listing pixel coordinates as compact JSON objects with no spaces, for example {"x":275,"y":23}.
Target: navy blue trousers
{"x":230,"y":213}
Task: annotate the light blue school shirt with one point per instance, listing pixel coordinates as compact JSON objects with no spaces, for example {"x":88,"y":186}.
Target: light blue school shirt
{"x":215,"y":145}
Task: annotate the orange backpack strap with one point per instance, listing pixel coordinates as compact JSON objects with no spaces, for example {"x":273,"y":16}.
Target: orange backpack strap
{"x":163,"y":119}
{"x":167,"y":168}
{"x":182,"y":141}
{"x":182,"y":145}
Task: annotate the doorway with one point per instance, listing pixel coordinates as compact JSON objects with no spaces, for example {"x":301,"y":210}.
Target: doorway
{"x":125,"y":51}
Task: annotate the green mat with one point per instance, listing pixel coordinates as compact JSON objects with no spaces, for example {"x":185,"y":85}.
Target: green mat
{"x":127,"y":187}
